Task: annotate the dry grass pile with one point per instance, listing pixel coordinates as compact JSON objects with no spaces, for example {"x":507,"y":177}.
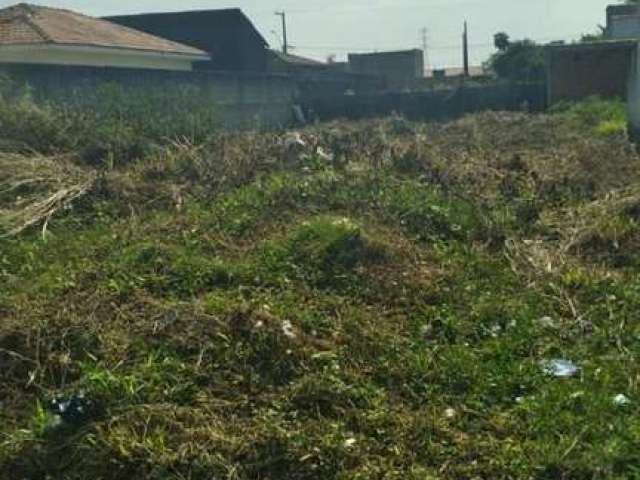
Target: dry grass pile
{"x":33,"y":188}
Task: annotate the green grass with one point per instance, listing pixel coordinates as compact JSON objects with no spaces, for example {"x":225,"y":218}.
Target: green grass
{"x":604,"y":117}
{"x":263,"y":317}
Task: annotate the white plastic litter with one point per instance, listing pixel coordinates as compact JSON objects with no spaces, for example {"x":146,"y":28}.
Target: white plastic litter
{"x":349,"y":442}
{"x":621,"y":400}
{"x":560,"y":368}
{"x":287,"y":329}
{"x":547,"y":322}
{"x":450,"y":413}
{"x":294,"y":140}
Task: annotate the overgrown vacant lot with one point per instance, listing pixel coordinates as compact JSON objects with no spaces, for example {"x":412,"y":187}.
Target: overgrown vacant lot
{"x":384,"y":301}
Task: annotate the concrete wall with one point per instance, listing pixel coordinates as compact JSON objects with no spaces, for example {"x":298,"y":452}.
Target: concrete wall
{"x":241,"y":100}
{"x":633,"y":96}
{"x":624,"y":27}
{"x":442,"y":104}
{"x":47,"y":54}
{"x":395,"y":67}
{"x":623,"y":22}
{"x":580,"y":71}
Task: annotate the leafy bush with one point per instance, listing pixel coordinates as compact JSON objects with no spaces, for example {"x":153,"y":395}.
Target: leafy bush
{"x":602,"y":116}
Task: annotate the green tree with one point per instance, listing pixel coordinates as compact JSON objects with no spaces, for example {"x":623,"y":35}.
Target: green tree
{"x":518,"y":61}
{"x":501,"y":41}
{"x":598,"y":36}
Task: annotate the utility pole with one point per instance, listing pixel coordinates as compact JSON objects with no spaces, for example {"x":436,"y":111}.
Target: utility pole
{"x":425,"y":46}
{"x":285,"y":45}
{"x":465,"y":50}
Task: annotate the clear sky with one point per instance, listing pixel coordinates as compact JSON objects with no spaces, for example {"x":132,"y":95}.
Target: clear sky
{"x":318,"y":28}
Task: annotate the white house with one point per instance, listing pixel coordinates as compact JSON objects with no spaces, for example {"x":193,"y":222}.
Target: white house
{"x":31,"y":34}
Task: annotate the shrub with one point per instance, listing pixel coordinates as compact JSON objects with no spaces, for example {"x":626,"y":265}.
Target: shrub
{"x":109,"y":125}
{"x":600,"y":115}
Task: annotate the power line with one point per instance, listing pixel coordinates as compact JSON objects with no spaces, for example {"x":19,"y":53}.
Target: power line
{"x":431,"y":47}
{"x":350,"y":9}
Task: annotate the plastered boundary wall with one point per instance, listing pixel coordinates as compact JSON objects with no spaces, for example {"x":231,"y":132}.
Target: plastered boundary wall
{"x":241,"y":100}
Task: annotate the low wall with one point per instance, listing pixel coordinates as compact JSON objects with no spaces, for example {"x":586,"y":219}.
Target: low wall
{"x":633,"y":94}
{"x":432,"y":105}
{"x":575,"y":72}
{"x":242,"y":100}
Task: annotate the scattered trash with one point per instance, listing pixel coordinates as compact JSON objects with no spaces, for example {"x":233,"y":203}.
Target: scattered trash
{"x":71,"y":411}
{"x":287,"y":329}
{"x":576,"y":395}
{"x":450,"y":413}
{"x":547,"y":322}
{"x":495,"y":331}
{"x":294,"y":140}
{"x":621,"y":400}
{"x":349,"y":442}
{"x":322,"y":155}
{"x":520,"y":399}
{"x":560,"y":368}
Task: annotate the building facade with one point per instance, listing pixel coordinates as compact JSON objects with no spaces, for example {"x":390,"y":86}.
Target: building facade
{"x":228,"y":36}
{"x":623,"y":22}
{"x":588,"y":69}
{"x":395,"y":67}
{"x":31,"y":34}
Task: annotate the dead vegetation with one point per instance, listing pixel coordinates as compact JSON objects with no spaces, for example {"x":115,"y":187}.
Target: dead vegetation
{"x":354,"y":300}
{"x":33,"y":188}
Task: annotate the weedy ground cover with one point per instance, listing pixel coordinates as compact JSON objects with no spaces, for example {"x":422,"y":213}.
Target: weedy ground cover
{"x":378,"y":300}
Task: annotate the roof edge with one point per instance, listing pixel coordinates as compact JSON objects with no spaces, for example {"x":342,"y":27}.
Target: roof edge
{"x":186,"y":12}
{"x":201,"y":56}
{"x":192,"y":12}
{"x":386,"y":52}
{"x":627,"y":43}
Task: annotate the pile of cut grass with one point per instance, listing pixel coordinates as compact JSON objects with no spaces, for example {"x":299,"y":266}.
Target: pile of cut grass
{"x":377,"y":303}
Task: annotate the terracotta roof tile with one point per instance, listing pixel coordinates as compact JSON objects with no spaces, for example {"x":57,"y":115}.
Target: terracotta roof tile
{"x":31,"y":24}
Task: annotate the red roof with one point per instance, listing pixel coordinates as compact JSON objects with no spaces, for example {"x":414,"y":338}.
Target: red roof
{"x":33,"y":24}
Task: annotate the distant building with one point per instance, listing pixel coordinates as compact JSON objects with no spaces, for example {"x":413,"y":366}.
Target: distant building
{"x":279,"y":62}
{"x":396,"y":68}
{"x":456,"y":72}
{"x":623,"y":22}
{"x":31,"y":34}
{"x":228,"y":36}
{"x":602,"y":68}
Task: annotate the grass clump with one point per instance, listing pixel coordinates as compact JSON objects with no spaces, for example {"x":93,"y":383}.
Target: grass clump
{"x":330,"y":248}
{"x":603,"y":117}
